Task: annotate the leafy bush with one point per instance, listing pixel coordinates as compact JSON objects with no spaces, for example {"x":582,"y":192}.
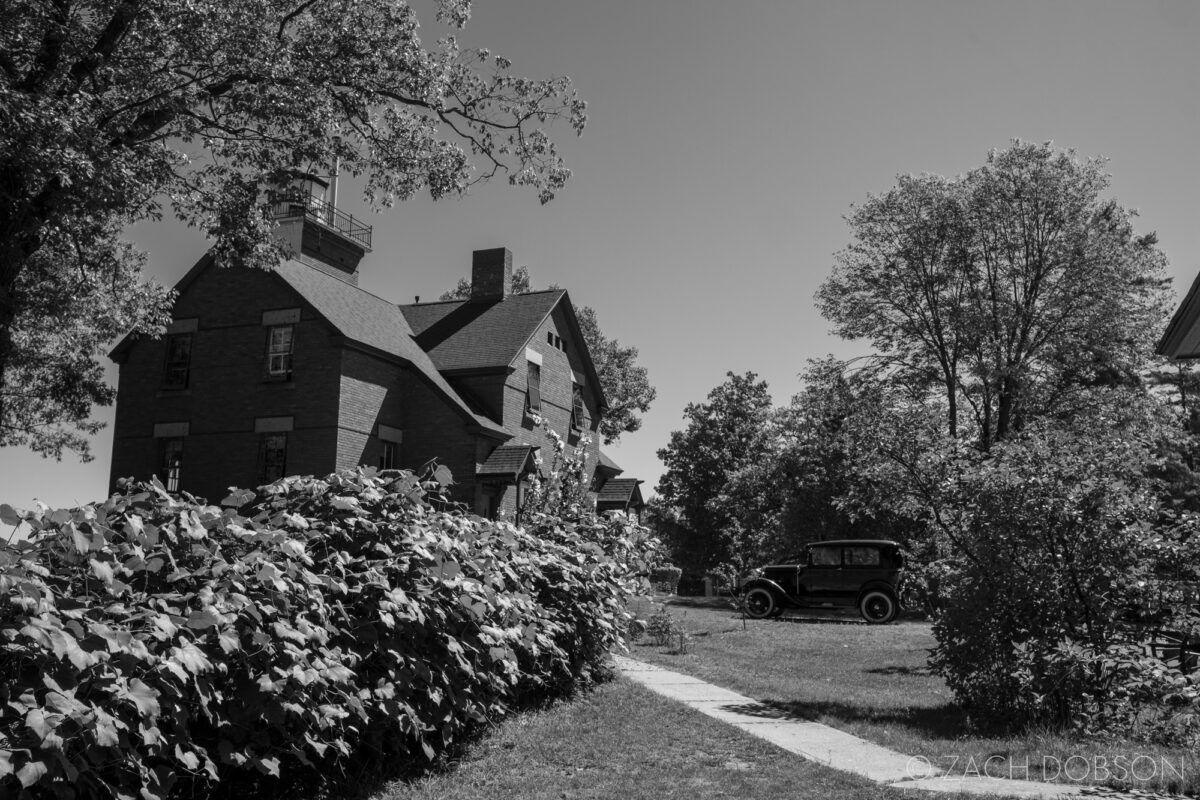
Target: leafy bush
{"x":664,"y":630}
{"x":665,"y":578}
{"x":1068,"y":563}
{"x":158,"y":647}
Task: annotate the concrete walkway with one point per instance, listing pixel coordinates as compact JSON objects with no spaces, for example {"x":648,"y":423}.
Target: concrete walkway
{"x":823,"y":744}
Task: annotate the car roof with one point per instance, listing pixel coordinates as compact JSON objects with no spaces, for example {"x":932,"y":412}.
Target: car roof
{"x":854,"y":543}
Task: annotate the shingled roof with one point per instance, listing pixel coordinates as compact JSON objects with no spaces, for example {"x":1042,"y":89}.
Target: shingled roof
{"x":359,"y":316}
{"x":620,"y":493}
{"x":507,"y":461}
{"x":473,"y":334}
{"x":1181,"y":339}
{"x":607,"y":463}
{"x":370,"y":320}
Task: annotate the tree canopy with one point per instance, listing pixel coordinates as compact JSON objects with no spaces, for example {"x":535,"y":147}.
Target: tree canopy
{"x":728,"y":434}
{"x":113,"y":111}
{"x":1008,"y":288}
{"x":625,"y":383}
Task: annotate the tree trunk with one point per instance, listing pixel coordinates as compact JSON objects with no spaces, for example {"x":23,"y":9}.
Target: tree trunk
{"x":1008,"y":413}
{"x":952,"y":404}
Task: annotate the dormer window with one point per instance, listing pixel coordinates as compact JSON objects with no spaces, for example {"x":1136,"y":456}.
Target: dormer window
{"x":279,"y":351}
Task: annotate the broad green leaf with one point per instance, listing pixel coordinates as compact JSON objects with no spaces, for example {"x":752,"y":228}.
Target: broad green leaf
{"x":31,"y":773}
{"x":203,"y":619}
{"x":102,"y":571}
{"x":191,"y":658}
{"x":9,"y":515}
{"x":142,"y":696}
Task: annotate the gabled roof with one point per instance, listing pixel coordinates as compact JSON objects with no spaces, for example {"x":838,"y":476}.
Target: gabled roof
{"x":508,"y":461}
{"x":360,"y":317}
{"x":622,"y":492}
{"x":1181,"y":339}
{"x":473,"y":334}
{"x":372,"y":321}
{"x":357,"y":314}
{"x":608,"y":464}
{"x":462,"y":335}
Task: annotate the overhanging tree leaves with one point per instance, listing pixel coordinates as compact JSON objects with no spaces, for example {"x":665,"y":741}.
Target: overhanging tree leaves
{"x":1008,"y":287}
{"x":111,"y":110}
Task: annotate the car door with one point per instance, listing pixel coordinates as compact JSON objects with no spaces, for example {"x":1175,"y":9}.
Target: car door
{"x":862,"y":564}
{"x":822,"y":578}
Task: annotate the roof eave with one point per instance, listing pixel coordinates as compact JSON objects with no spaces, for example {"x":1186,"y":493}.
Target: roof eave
{"x":1182,"y":321}
{"x":573,"y":322}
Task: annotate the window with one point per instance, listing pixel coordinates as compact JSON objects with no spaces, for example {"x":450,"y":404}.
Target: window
{"x":533,"y":388}
{"x":170,"y":461}
{"x":862,"y":556}
{"x":826,"y":556}
{"x":387,"y":455}
{"x":272,"y":457}
{"x":577,"y":411}
{"x":178,"y":360}
{"x":550,"y":338}
{"x":279,"y":351}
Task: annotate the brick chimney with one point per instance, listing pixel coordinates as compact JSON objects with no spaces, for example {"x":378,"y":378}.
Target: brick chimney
{"x":491,"y":274}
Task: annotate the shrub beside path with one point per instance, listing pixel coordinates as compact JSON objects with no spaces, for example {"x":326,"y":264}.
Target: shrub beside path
{"x":826,"y":745}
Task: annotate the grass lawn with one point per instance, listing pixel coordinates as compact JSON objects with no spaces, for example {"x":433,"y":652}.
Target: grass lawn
{"x":624,"y":741}
{"x":873,"y":681}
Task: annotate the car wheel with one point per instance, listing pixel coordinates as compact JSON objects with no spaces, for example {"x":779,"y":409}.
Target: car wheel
{"x":759,"y":603}
{"x":877,"y":607}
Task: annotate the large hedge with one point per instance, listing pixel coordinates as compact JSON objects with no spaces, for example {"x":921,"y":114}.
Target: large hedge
{"x":156,"y":647}
{"x":1069,"y":566}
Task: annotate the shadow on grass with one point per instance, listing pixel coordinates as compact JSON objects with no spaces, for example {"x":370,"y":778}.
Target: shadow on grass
{"x":934,"y":722}
{"x":896,"y":669}
{"x":806,"y":619}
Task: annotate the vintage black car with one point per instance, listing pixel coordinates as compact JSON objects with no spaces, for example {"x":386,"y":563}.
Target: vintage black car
{"x":844,"y":573}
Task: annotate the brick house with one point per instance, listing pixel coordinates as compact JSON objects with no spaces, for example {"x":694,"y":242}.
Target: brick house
{"x":299,"y":371}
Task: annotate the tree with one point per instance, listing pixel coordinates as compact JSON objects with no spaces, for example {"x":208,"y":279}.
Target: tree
{"x":729,"y":433}
{"x":625,"y":383}
{"x":1070,"y":556}
{"x":1008,"y":288}
{"x":112,"y":110}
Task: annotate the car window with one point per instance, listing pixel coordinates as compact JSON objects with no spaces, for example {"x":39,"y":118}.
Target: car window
{"x":862,"y":556}
{"x":826,"y":556}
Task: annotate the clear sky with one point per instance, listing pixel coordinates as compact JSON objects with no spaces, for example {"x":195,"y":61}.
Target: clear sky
{"x":727,"y":140}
